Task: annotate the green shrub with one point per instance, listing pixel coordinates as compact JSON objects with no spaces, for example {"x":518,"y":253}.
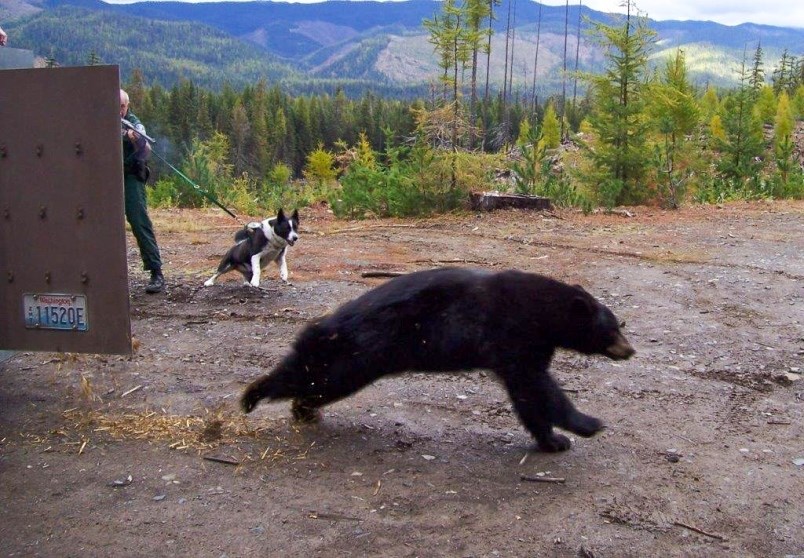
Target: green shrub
{"x":409,"y":181}
{"x":162,"y":194}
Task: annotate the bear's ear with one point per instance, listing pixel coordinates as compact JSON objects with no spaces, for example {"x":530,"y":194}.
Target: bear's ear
{"x":580,"y":288}
{"x":581,"y":307}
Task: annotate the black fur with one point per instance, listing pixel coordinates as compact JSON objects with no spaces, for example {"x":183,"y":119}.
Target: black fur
{"x":452,"y":319}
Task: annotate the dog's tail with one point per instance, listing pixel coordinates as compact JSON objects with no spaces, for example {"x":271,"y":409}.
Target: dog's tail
{"x":242,"y":234}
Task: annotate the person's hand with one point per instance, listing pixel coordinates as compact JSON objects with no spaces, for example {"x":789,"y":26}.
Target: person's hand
{"x":3,"y":37}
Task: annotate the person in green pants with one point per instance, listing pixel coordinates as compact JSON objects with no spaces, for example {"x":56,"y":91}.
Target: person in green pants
{"x":135,"y":171}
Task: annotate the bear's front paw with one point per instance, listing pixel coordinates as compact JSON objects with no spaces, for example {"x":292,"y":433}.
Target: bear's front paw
{"x":554,"y":443}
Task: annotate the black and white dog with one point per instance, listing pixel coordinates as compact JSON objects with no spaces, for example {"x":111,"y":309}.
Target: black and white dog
{"x":259,"y":243}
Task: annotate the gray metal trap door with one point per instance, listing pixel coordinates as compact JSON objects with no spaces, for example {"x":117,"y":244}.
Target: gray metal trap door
{"x":63,"y":273}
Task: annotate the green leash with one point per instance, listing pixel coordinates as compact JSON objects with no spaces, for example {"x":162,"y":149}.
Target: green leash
{"x":198,"y":188}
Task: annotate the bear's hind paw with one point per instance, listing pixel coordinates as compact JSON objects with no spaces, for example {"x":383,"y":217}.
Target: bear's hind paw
{"x":584,"y":425}
{"x":554,"y":443}
{"x":305,"y":413}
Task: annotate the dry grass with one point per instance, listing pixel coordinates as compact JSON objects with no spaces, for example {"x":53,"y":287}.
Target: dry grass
{"x":202,"y":434}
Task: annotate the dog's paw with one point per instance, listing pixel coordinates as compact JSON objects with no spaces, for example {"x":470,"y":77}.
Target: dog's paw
{"x":209,"y":283}
{"x":254,"y":283}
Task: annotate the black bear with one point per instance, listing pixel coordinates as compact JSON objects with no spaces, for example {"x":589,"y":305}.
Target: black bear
{"x":452,"y":319}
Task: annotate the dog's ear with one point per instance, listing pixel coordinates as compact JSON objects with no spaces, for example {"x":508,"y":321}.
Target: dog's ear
{"x":295,"y":215}
{"x":280,"y":216}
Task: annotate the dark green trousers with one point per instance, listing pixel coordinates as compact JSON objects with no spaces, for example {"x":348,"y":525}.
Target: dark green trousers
{"x":141,"y":226}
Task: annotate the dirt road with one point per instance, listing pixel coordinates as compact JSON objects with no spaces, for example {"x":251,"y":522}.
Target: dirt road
{"x":703,"y":454}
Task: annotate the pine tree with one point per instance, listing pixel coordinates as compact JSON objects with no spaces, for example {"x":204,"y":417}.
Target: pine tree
{"x":757,"y":78}
{"x":617,"y":116}
{"x":444,"y":36}
{"x":784,"y":77}
{"x":743,"y":146}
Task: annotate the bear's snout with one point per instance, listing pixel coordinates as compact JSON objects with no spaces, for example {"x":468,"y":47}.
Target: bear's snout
{"x":621,"y":349}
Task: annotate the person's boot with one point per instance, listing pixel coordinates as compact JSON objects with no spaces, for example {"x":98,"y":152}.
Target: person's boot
{"x":157,"y":283}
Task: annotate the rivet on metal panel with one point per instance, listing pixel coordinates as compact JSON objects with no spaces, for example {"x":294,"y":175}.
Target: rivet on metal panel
{"x":10,"y":276}
{"x":39,"y":150}
{"x":47,"y":277}
{"x":80,"y":213}
{"x":7,"y":214}
{"x":42,"y":212}
{"x":84,"y":277}
{"x":78,"y":149}
{"x":3,"y":152}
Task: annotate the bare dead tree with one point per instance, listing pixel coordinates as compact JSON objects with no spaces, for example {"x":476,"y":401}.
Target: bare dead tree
{"x":488,"y":50}
{"x":577,"y":54}
{"x":505,"y":66}
{"x":564,"y":72}
{"x":513,"y":42}
{"x":536,"y":58}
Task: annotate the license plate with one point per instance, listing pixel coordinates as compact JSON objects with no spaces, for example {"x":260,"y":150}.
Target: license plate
{"x":56,"y":311}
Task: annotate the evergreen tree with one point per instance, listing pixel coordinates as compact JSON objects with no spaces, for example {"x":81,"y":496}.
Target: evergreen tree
{"x":757,"y":78}
{"x":135,"y":87}
{"x":743,"y":146}
{"x":444,"y":35}
{"x":617,"y":116}
{"x":785,"y":75}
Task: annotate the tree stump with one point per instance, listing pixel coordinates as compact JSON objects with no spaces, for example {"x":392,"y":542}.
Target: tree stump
{"x":489,"y":201}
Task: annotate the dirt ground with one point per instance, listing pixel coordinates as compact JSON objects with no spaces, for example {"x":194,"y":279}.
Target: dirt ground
{"x":106,"y":455}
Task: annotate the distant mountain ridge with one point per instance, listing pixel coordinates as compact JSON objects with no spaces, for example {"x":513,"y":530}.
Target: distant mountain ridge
{"x":381,"y":43}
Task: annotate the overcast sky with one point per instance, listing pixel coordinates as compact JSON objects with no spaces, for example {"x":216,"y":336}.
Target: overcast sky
{"x":786,"y":13}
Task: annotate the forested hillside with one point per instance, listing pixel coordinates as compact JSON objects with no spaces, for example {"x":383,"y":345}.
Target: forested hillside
{"x":359,"y":44}
{"x":164,"y":51}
